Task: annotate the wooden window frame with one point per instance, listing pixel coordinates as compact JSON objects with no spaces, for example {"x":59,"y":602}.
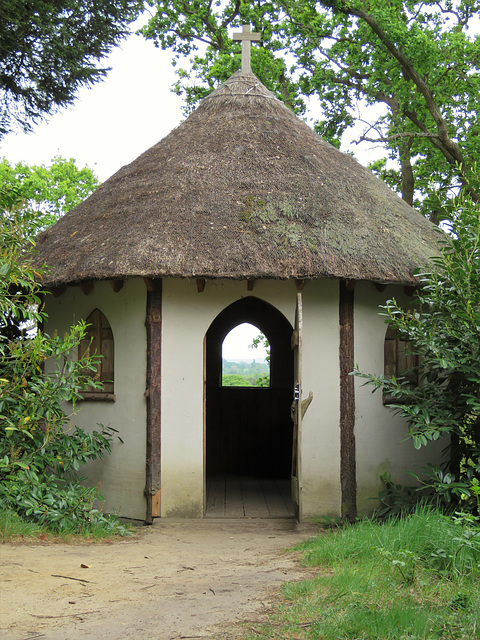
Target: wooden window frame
{"x":99,"y":336}
{"x":397,"y":361}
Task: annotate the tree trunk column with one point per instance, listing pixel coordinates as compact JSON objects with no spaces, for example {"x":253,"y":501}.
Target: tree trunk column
{"x":348,"y":478}
{"x":153,"y":395}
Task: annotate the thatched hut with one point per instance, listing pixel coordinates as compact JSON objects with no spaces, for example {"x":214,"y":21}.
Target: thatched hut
{"x":241,"y":214}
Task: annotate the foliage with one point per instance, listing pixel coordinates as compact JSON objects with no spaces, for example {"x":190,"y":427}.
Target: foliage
{"x":262,"y":341}
{"x":241,"y":373}
{"x":32,"y":198}
{"x":407,"y":71}
{"x":410,"y":578}
{"x":236,"y":380}
{"x":443,"y":328}
{"x":48,"y":50}
{"x":263,"y":381}
{"x":45,"y":193}
{"x":39,"y":456}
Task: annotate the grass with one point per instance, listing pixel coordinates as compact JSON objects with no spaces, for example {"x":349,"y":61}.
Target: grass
{"x":13,"y":528}
{"x":412,"y":578}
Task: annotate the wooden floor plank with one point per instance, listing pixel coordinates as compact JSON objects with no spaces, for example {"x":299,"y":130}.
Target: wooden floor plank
{"x":247,"y":497}
{"x":254,"y":502}
{"x":276,"y":503}
{"x":216,"y":496}
{"x":234,"y":503}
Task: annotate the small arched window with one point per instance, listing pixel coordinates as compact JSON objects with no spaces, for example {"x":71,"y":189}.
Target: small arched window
{"x":398,"y":359}
{"x":98,"y":340}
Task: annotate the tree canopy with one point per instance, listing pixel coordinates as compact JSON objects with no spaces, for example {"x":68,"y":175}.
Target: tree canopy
{"x":408,"y":71}
{"x":44,"y":193}
{"x":49,"y":49}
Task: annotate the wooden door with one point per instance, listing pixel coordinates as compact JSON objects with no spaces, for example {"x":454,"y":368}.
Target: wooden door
{"x":296,"y":408}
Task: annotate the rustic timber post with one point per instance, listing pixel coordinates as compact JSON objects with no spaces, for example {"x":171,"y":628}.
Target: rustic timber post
{"x":153,"y":395}
{"x":348,"y":474}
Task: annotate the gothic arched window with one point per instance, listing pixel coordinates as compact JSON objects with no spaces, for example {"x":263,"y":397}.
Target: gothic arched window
{"x":98,"y":341}
{"x":398,"y":359}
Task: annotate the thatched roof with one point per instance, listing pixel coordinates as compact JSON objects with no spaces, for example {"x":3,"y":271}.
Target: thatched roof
{"x":241,"y":189}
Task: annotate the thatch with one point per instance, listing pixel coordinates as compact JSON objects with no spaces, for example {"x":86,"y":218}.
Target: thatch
{"x":241,"y":189}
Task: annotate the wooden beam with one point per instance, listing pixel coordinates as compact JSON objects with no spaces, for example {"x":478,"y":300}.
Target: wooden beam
{"x":153,"y":395}
{"x":350,"y":284}
{"x":379,"y":286}
{"x":103,"y":397}
{"x":87,"y":287}
{"x":41,"y":324}
{"x":156,"y":503}
{"x":149,"y":283}
{"x":116,"y":285}
{"x":58,"y":291}
{"x":299,"y":284}
{"x":250,"y":284}
{"x":200,"y":285}
{"x":348,"y":472}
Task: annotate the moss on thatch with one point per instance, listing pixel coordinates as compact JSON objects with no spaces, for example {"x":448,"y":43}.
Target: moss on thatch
{"x":241,"y":189}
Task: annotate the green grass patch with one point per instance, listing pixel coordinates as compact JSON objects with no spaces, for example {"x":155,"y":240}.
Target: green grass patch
{"x":412,"y":578}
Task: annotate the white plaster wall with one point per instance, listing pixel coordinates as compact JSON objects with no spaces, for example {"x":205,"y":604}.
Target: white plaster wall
{"x":186,"y":317}
{"x":380,"y":435}
{"x":320,"y":447}
{"x":122,"y":474}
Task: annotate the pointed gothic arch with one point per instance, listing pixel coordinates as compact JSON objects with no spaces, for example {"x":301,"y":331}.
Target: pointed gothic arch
{"x":248,"y":430}
{"x":99,"y":341}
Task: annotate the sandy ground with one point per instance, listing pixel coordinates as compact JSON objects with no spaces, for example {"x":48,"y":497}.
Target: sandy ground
{"x":176,"y":579}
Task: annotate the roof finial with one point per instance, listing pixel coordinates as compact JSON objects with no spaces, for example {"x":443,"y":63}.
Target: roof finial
{"x":246,"y":36}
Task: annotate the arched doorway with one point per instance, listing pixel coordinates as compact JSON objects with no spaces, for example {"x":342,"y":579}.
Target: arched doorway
{"x":248,"y":430}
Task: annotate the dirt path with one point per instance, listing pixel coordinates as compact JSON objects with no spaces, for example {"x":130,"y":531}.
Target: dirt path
{"x":176,"y":580}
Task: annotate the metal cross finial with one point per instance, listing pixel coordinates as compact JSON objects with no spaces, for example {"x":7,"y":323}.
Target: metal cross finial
{"x":246,"y":36}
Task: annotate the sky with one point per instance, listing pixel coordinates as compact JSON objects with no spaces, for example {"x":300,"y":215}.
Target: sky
{"x":236,"y":344}
{"x":113,"y":122}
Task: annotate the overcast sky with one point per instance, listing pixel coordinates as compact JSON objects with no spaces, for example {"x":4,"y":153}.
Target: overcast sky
{"x":236,"y":345}
{"x":112,"y":123}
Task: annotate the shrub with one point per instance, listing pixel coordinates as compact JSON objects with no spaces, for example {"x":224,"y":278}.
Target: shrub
{"x":443,"y":329}
{"x":40,"y":454}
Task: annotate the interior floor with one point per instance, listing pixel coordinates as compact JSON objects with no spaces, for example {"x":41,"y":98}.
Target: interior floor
{"x":232,"y":496}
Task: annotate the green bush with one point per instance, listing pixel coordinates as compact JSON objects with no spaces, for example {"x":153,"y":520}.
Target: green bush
{"x":442,"y":327}
{"x":40,"y":453}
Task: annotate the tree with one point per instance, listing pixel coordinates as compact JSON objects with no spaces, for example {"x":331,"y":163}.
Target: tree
{"x":49,"y":49}
{"x":44,"y":193}
{"x":408,"y":70}
{"x":34,"y":198}
{"x":443,"y":328}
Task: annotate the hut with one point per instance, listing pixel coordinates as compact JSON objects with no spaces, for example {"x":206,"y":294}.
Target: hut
{"x":241,"y":214}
